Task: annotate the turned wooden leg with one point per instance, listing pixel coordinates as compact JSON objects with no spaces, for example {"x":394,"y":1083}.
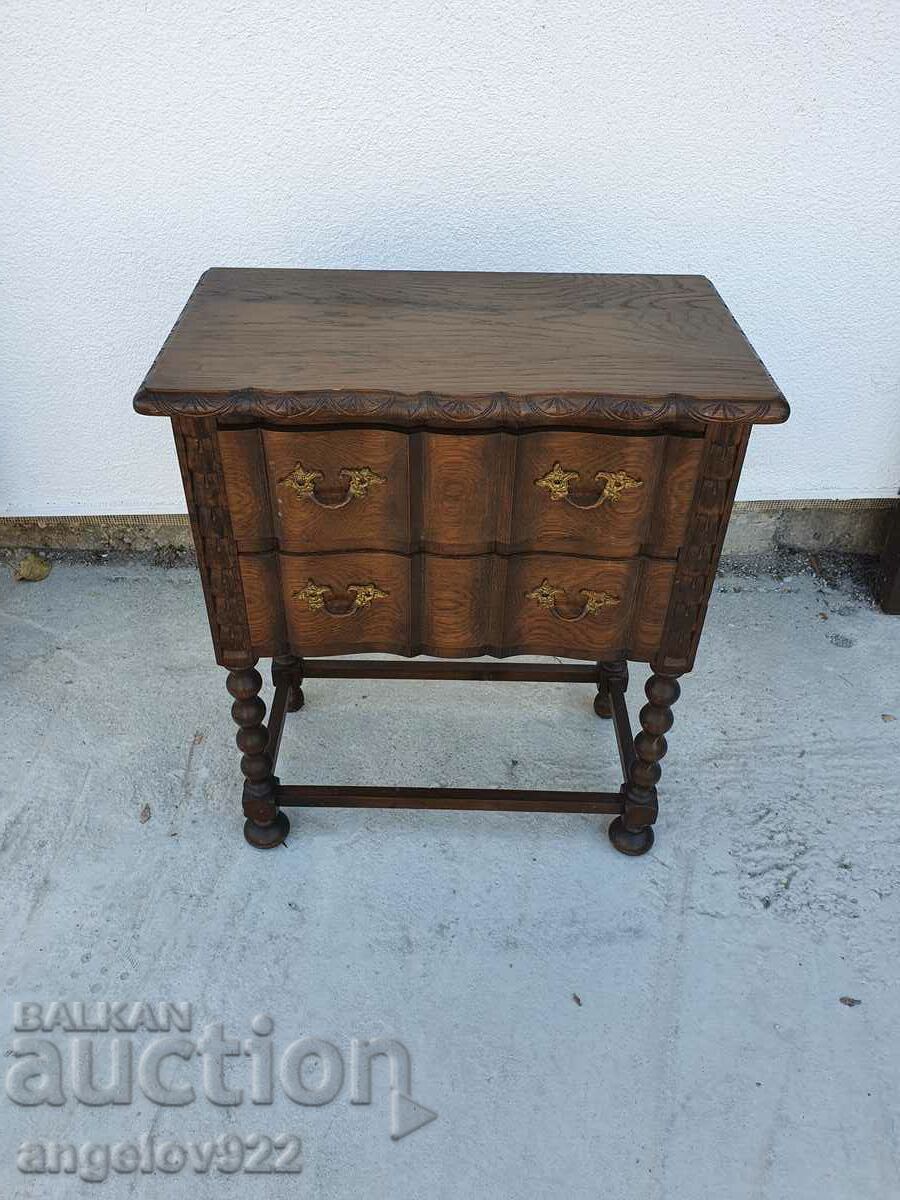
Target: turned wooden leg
{"x":265,"y":825}
{"x":602,"y":701}
{"x":287,"y":668}
{"x":632,"y":832}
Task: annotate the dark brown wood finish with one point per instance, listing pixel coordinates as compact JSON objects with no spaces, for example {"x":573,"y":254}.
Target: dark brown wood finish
{"x":481,"y":799}
{"x":449,"y":347}
{"x":246,"y":486}
{"x":698,"y":558}
{"x":287,"y":668}
{"x":890,"y":568}
{"x":632,"y":832}
{"x":458,"y":465}
{"x":264,"y":826}
{"x":610,"y":676}
{"x":457,"y":500}
{"x":332,"y":510}
{"x":337,"y":668}
{"x":456,"y":607}
{"x":197,"y":445}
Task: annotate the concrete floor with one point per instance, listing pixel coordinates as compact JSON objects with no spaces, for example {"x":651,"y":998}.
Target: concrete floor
{"x":584,"y":1025}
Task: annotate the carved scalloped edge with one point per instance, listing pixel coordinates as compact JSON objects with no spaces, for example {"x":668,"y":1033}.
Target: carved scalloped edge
{"x":493,"y":408}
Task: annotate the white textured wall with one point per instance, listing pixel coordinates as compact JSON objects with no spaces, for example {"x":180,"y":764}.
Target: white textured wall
{"x":147,"y":139}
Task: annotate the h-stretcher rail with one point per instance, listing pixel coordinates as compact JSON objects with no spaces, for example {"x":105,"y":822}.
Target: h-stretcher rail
{"x":483,"y":799}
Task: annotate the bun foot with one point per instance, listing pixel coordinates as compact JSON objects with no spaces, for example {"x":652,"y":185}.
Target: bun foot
{"x":602,"y":706}
{"x":265,"y":837}
{"x":627,"y":841}
{"x":295,"y":698}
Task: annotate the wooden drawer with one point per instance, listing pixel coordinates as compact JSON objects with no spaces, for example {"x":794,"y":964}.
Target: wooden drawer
{"x":339,"y":490}
{"x":456,"y":607}
{"x":567,"y":606}
{"x":594,"y":493}
{"x":346,"y":603}
{"x":601,"y":495}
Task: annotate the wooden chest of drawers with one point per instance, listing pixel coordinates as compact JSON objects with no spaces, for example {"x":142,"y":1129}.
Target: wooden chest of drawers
{"x":457,"y":465}
{"x":453,"y":531}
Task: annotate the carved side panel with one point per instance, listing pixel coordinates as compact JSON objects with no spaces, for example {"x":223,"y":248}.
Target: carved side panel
{"x":723,"y":454}
{"x":204,"y":486}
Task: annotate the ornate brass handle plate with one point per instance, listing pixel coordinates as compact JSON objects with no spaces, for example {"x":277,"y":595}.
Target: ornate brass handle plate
{"x":316,"y":597}
{"x":359,"y":480}
{"x":547,"y":595}
{"x":613,"y":484}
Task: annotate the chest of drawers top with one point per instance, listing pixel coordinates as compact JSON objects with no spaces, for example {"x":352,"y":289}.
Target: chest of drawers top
{"x":461,"y":348}
{"x":458,"y":464}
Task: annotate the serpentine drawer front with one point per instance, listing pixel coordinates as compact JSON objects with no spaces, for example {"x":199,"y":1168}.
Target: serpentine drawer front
{"x":458,"y":465}
{"x":462,"y":606}
{"x":350,"y":489}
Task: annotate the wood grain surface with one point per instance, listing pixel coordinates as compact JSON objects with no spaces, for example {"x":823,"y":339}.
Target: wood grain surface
{"x":458,"y":607}
{"x":379,"y":520}
{"x":453,"y":493}
{"x":344,"y":341}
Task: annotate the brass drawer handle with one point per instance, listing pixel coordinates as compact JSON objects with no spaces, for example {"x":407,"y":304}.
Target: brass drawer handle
{"x":315,"y":596}
{"x":547,"y":595}
{"x":614,"y":483}
{"x":359,"y":480}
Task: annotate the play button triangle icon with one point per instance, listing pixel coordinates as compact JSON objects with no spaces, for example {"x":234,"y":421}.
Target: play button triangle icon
{"x":407,"y":1115}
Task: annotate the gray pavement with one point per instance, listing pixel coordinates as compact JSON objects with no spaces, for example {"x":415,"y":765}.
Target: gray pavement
{"x":584,"y":1025}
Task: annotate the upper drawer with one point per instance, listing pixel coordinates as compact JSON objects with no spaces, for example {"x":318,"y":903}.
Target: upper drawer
{"x":600,"y":495}
{"x":339,"y":490}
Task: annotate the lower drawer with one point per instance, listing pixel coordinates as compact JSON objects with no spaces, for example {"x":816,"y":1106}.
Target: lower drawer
{"x":457,"y":607}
